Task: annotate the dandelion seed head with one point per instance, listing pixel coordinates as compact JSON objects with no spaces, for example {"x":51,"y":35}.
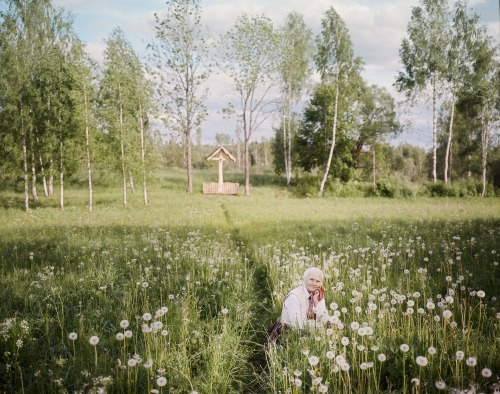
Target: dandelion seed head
{"x":486,"y":372}
{"x":432,"y":350}
{"x":161,"y":381}
{"x":94,"y":340}
{"x":459,"y":355}
{"x":120,"y":336}
{"x":422,"y":361}
{"x":124,"y":324}
{"x":440,"y":385}
{"x":404,"y":348}
{"x":382,"y":357}
{"x":73,"y":336}
{"x":313,"y":360}
{"x":471,"y":361}
{"x":147,"y":316}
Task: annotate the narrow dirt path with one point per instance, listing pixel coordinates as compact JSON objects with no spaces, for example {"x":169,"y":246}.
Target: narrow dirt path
{"x":262,"y":316}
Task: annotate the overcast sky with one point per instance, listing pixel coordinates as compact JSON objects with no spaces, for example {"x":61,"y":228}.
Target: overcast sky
{"x":376,"y":28}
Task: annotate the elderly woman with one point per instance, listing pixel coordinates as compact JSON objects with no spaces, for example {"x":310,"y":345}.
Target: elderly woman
{"x":304,"y":306}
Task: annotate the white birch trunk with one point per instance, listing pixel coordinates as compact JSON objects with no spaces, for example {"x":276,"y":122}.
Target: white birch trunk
{"x":334,"y":135}
{"x":434,"y":132}
{"x":87,"y":148}
{"x":143,"y":161}
{"x":447,"y":159}
{"x":122,"y":148}
{"x":485,"y":134}
{"x":61,"y":170}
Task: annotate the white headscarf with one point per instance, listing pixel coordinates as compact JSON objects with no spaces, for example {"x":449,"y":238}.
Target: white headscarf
{"x":313,"y":271}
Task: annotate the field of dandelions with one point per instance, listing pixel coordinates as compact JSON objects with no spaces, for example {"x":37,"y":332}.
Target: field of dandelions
{"x":177,"y":297}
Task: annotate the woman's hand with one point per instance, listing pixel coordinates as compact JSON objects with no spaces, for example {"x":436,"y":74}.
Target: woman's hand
{"x":315,"y":296}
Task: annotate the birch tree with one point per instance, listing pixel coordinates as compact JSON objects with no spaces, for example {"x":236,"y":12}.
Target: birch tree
{"x":423,"y":57}
{"x":118,"y":102}
{"x":180,"y":54}
{"x":336,"y":64}
{"x":248,"y":53}
{"x":295,"y":54}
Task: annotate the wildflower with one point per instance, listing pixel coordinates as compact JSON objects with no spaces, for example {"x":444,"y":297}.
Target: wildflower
{"x":345,"y":367}
{"x":132,"y":362}
{"x":330,"y":355}
{"x":120,"y":336}
{"x":440,"y":384}
{"x":313,"y":360}
{"x":362,"y":331}
{"x":157,"y":325}
{"x":381,"y":357}
{"x":161,"y":381}
{"x":471,"y":361}
{"x":146,"y":316}
{"x":224,"y":311}
{"x":344,"y":341}
{"x":404,"y":347}
{"x":481,"y":294}
{"x":422,"y":361}
{"x":323,"y":388}
{"x":305,"y":352}
{"x":297,"y":373}
{"x":460,"y":355}
{"x":437,"y":318}
{"x":128,"y":334}
{"x":486,"y":372}
{"x":73,"y":336}
{"x":148,"y":364}
{"x":164,"y":333}
{"x":430,"y":305}
{"x":416,"y":381}
{"x":447,"y":314}
{"x":124,"y":324}
{"x":354,"y":325}
{"x":297,"y":382}
{"x":334,"y":306}
{"x":94,"y":340}
{"x":432,"y":350}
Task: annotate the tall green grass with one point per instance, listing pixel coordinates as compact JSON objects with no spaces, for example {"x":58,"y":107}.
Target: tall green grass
{"x":177,"y":297}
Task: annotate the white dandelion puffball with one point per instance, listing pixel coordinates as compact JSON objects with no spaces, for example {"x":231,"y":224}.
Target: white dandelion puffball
{"x":330,"y":355}
{"x":432,"y":350}
{"x":225,"y":311}
{"x":313,"y":360}
{"x":447,"y":314}
{"x":422,"y":361}
{"x":128,"y":334}
{"x":416,"y":381}
{"x":471,"y":361}
{"x":440,"y":384}
{"x":124,"y":324}
{"x":120,"y":336}
{"x":344,"y":341}
{"x":460,"y":355}
{"x":132,"y":362}
{"x":481,"y":294}
{"x":354,"y":325}
{"x":404,"y":347}
{"x":297,"y":382}
{"x":486,"y":372}
{"x":161,"y":381}
{"x":73,"y":336}
{"x":381,"y":357}
{"x":94,"y":340}
{"x":147,"y":316}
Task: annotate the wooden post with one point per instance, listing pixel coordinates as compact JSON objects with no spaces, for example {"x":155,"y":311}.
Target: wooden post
{"x":221,"y":180}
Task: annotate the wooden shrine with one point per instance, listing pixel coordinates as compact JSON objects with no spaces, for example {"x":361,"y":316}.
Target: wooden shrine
{"x":221,"y":155}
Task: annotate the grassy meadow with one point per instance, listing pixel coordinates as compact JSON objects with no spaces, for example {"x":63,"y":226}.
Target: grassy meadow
{"x":177,"y":297}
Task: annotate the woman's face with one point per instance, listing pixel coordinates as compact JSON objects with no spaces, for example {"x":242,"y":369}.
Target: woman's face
{"x":313,"y":283}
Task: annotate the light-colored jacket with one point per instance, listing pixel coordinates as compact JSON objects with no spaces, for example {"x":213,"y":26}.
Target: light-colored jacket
{"x":295,"y":309}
